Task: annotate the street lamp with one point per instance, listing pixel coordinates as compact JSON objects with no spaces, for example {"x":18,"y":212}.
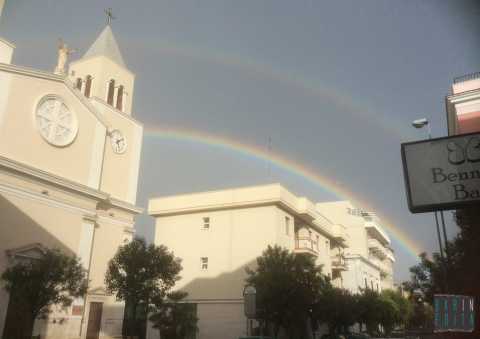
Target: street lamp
{"x":420,"y":123}
{"x":250,"y":305}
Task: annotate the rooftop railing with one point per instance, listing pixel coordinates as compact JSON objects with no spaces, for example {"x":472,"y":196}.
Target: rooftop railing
{"x":466,"y":77}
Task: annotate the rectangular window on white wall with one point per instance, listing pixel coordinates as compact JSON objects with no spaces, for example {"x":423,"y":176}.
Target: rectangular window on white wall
{"x":287,"y":225}
{"x":206,"y":223}
{"x":204,"y":263}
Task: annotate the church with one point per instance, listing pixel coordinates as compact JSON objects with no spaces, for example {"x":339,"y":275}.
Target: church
{"x":69,"y":163}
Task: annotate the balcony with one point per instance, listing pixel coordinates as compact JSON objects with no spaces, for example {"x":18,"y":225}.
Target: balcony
{"x":376,"y":248}
{"x":465,"y":83}
{"x":385,"y":268}
{"x":390,"y":254}
{"x":305,"y":245}
{"x":372,"y":224}
{"x":338,"y":263}
{"x":340,"y":234}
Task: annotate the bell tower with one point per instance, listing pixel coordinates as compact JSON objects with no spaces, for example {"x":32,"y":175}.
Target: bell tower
{"x":6,"y":47}
{"x":102,"y":73}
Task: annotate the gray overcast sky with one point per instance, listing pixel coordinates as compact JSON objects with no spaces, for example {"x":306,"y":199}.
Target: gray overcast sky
{"x":335,"y":84}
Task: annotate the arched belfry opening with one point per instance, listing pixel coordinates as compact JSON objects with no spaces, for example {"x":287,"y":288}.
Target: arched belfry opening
{"x":110,"y":91}
{"x":88,"y":86}
{"x":119,"y":104}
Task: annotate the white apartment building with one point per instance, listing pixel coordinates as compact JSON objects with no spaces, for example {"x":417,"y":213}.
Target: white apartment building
{"x":219,"y":233}
{"x":369,"y":257}
{"x":463,"y":105}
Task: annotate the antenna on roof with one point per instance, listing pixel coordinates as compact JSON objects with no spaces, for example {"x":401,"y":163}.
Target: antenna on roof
{"x":109,"y":14}
{"x":269,"y":151}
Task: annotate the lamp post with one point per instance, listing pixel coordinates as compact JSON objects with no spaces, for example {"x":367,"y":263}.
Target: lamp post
{"x":250,"y":305}
{"x":420,"y":123}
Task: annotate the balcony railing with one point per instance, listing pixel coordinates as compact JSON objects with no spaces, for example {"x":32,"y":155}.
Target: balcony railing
{"x":338,"y":263}
{"x":390,"y":255}
{"x":466,"y":77}
{"x":376,"y":248}
{"x":372,"y":224}
{"x":385,"y":268}
{"x":305,"y":245}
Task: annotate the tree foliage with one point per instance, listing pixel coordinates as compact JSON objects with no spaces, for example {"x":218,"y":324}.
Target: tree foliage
{"x":404,"y":307}
{"x":288,"y":285}
{"x":174,"y":318}
{"x":383,"y":312}
{"x":457,"y":273}
{"x":37,"y":284}
{"x":337,"y":308}
{"x":141,"y":275}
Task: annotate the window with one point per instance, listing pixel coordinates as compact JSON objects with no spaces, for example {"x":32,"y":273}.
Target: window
{"x":366,"y":284}
{"x":371,"y":284}
{"x":378,"y":290}
{"x":287,"y":225}
{"x":204,"y":263}
{"x":206,"y":223}
{"x":317,"y":243}
{"x":78,"y":84}
{"x":119,"y":104}
{"x":88,"y":86}
{"x":110,"y":92}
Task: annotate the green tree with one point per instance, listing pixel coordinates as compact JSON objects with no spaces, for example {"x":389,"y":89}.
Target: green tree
{"x":337,"y":308}
{"x":141,"y":275}
{"x":37,"y":284}
{"x":368,"y":310}
{"x":174,"y":318}
{"x":389,"y":313}
{"x":427,"y":277}
{"x":404,"y":307}
{"x":457,"y":273}
{"x":288,"y":285}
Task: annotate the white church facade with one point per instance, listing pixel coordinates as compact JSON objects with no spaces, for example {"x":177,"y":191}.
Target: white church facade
{"x":69,"y":162}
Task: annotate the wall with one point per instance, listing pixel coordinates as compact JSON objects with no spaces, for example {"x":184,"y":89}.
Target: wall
{"x":358,"y":270}
{"x":234,"y":239}
{"x":80,"y":161}
{"x":122,"y":167}
{"x":221,"y":320}
{"x":27,"y":218}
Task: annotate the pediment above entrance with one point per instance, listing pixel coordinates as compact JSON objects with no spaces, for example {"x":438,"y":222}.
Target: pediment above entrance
{"x":27,"y":252}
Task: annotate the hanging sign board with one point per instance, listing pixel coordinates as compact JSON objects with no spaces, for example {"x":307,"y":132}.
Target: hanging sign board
{"x":454,"y":313}
{"x":442,"y":173}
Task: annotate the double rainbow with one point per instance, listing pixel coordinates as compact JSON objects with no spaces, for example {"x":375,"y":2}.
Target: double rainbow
{"x":256,"y":153}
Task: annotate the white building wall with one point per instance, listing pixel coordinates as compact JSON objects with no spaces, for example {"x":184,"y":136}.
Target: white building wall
{"x":233,"y":240}
{"x":358,"y":272}
{"x":221,"y":320}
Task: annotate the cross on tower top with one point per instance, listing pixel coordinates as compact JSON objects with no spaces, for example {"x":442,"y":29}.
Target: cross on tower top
{"x":109,"y":14}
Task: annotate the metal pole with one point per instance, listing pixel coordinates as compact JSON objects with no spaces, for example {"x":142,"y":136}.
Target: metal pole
{"x":441,"y":213}
{"x":438,"y":235}
{"x":445,"y":239}
{"x":429,"y":131}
